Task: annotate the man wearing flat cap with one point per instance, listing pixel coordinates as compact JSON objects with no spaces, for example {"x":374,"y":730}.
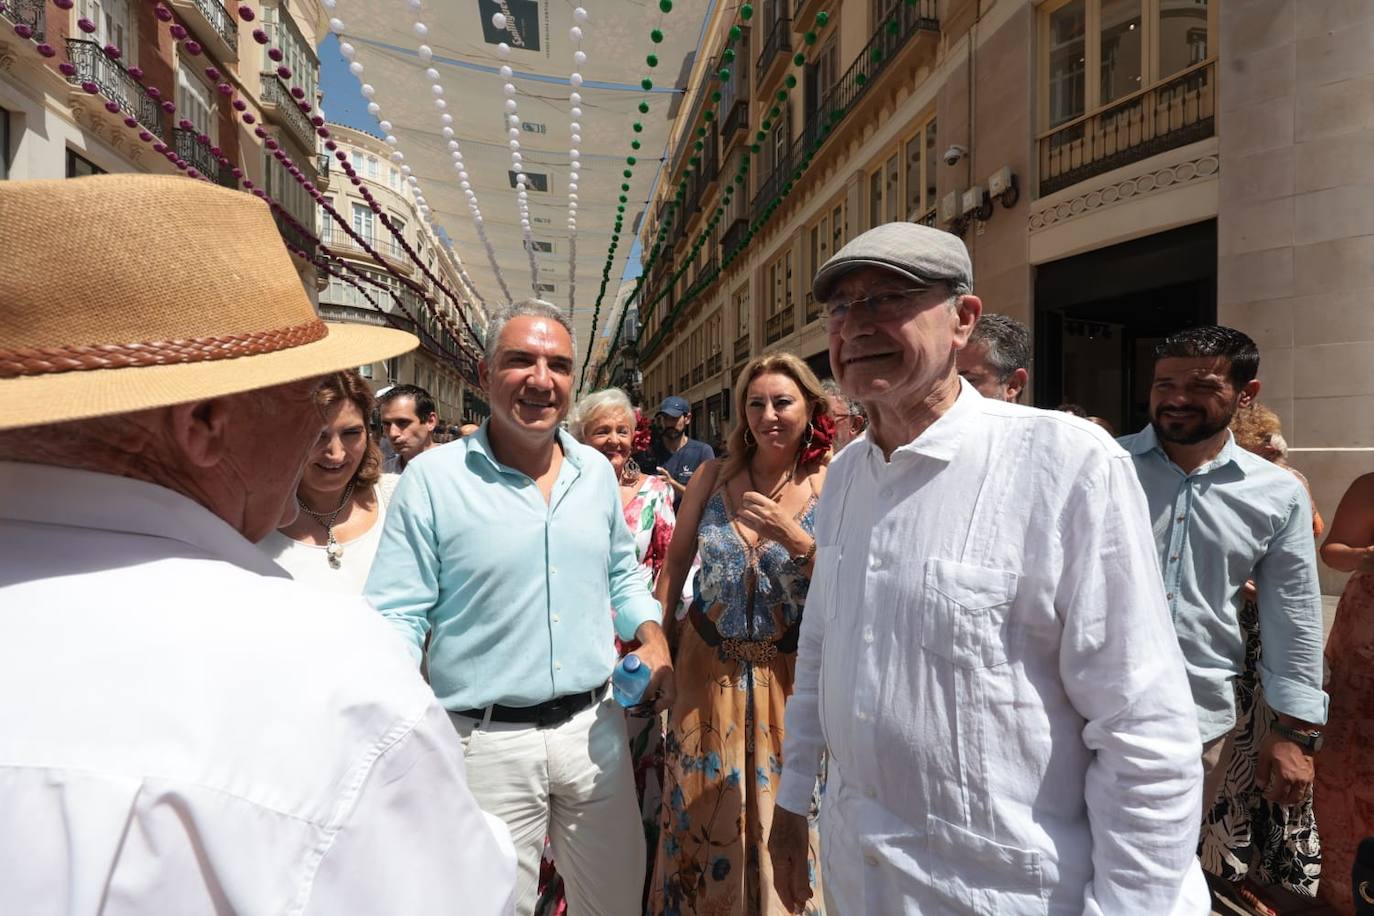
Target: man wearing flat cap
{"x":183,"y":729}
{"x":987,"y":657}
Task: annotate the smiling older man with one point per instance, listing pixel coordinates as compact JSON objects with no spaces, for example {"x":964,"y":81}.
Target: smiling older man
{"x":511,"y":546}
{"x":183,"y":729}
{"x":986,"y":655}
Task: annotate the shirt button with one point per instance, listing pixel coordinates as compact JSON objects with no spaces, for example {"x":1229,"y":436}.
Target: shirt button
{"x":868,"y":634}
{"x":1181,"y":518}
{"x":863,"y":716}
{"x":1174,"y":558}
{"x":555,"y":618}
{"x":1170,"y":596}
{"x":871,"y":792}
{"x":553,"y":570}
{"x":558,"y":665}
{"x":876,"y":563}
{"x":871,"y":860}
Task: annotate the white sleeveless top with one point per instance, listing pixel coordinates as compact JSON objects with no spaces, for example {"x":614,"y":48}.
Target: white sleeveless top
{"x":309,"y":563}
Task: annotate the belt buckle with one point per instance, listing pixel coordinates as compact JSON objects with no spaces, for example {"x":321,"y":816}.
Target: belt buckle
{"x":553,"y":713}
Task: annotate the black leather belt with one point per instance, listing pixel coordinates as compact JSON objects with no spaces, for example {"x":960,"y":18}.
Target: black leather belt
{"x":549,"y":714}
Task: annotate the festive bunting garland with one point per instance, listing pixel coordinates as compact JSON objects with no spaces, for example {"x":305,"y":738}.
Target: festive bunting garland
{"x":790,"y":82}
{"x":517,"y":165}
{"x":193,"y":49}
{"x":574,"y":143}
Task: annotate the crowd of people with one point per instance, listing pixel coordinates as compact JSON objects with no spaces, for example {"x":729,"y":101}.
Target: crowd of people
{"x":269,"y":643}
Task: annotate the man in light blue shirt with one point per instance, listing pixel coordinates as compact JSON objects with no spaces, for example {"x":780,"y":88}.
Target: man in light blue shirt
{"x":509,"y":548}
{"x":1223,"y":516}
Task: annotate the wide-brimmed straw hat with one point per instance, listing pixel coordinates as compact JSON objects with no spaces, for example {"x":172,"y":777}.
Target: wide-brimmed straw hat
{"x":125,"y":292}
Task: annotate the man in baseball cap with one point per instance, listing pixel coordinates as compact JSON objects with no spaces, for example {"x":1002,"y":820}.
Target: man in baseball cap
{"x":186,"y":730}
{"x":673,"y":455}
{"x":986,"y":654}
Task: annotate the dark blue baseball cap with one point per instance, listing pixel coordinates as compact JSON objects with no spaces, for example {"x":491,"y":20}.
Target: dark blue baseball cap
{"x":675,"y":406}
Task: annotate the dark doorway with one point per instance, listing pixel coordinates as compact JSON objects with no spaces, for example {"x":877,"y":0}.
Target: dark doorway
{"x":1099,"y":315}
{"x":820,"y":364}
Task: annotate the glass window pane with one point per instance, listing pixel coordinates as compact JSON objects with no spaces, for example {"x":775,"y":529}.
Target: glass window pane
{"x":875,"y":198}
{"x":890,"y":213}
{"x":1067,"y":62}
{"x":930,"y":165}
{"x":915,"y":181}
{"x":1182,"y":35}
{"x":837,"y":228}
{"x":1120,"y":49}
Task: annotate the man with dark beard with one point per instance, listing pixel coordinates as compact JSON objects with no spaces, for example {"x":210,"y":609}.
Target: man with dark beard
{"x":1223,"y":516}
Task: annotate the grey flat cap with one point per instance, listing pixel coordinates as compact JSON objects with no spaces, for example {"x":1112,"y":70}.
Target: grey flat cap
{"x":924,"y":254}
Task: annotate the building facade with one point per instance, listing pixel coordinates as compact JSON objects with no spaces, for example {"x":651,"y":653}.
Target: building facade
{"x":1119,"y":169}
{"x":408,"y":258}
{"x":113,"y":86}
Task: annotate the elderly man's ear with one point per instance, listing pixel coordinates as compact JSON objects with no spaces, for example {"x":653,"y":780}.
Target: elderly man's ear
{"x":200,"y":428}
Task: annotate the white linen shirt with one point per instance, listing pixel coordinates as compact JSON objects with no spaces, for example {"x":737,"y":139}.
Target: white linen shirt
{"x":184,"y":730}
{"x":987,"y":659}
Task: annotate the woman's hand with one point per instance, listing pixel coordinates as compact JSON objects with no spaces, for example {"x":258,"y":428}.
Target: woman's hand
{"x":771,"y":521}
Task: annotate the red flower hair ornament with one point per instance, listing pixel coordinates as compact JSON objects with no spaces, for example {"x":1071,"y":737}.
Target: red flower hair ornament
{"x":643,"y":436}
{"x":820,"y":434}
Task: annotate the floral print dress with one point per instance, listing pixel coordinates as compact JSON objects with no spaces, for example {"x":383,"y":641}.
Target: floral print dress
{"x":735,"y":661}
{"x":649,"y":516}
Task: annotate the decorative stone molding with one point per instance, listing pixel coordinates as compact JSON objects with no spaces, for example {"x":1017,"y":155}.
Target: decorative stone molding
{"x":1117,"y":192}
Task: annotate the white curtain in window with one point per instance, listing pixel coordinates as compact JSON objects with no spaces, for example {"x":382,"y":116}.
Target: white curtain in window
{"x":194,"y":102}
{"x":362,"y":221}
{"x":114,"y":25}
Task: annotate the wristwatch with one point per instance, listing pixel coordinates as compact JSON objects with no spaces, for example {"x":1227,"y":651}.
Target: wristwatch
{"x":801,"y":559}
{"x":1308,"y":740}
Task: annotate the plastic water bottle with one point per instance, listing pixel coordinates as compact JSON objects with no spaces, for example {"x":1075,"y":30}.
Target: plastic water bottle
{"x":629,"y":679}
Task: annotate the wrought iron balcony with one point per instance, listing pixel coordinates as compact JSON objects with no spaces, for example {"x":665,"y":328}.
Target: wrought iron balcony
{"x":282,"y":108}
{"x":212,"y":24}
{"x":198,"y":155}
{"x":292,"y":235}
{"x":741,"y":349}
{"x":1176,"y":112}
{"x":813,"y":308}
{"x":904,"y":23}
{"x":733,"y":238}
{"x":735,"y":119}
{"x":95,"y":67}
{"x":777,"y":42}
{"x":778,"y":326}
{"x":713,"y":363}
{"x":26,"y":15}
{"x":322,"y":170}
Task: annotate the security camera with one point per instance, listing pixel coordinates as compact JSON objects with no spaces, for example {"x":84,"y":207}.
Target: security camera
{"x":955,"y":153}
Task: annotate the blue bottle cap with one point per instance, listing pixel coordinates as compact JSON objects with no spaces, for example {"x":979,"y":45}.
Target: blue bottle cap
{"x":632,"y":662}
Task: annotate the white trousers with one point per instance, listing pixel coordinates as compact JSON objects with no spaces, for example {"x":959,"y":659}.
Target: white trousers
{"x":574,"y":784}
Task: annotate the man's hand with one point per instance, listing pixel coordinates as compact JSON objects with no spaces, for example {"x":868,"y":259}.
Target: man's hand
{"x":788,"y":842}
{"x":1284,"y":770}
{"x":667,"y":478}
{"x":653,"y":651}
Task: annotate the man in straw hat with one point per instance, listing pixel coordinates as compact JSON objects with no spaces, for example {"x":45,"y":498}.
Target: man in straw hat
{"x":184,"y":729}
{"x":986,"y":653}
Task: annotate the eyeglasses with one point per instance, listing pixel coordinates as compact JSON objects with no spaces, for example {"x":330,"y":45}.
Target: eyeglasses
{"x":884,"y":305}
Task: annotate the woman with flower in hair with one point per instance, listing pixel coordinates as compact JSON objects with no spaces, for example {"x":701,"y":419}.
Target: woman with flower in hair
{"x":607,"y":422}
{"x":750,"y":517}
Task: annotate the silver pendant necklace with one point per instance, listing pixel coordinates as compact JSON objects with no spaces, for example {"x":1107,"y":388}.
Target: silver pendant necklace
{"x":333,"y":550}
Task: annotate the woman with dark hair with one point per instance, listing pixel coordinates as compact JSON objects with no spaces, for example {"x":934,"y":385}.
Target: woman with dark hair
{"x":334,"y":537}
{"x":750,"y":515}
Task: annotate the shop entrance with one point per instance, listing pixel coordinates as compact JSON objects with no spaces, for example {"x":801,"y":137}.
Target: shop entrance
{"x":1099,"y":316}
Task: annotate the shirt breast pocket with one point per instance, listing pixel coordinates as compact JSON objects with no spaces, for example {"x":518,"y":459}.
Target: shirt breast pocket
{"x":966,"y":612}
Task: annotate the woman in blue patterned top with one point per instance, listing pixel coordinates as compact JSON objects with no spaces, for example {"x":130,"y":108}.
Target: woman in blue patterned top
{"x":749,"y":515}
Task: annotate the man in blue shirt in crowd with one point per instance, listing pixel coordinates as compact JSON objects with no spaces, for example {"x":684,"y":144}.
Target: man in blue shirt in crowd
{"x":673,"y":455}
{"x":510,"y":548}
{"x":1222,"y":516}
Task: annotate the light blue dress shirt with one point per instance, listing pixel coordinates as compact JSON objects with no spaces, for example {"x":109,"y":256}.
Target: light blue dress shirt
{"x":518,"y":591}
{"x":1237,"y":517}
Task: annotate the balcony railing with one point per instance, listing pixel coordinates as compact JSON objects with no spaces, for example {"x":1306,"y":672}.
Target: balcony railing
{"x":94,"y":66}
{"x":684,"y":382}
{"x":28,"y":14}
{"x":336,"y":238}
{"x":212,"y":22}
{"x":1176,"y":112}
{"x":293,"y":235}
{"x":778,"y":326}
{"x":741,"y":349}
{"x":199,"y":157}
{"x":322,"y":170}
{"x":771,"y":187}
{"x":698,"y":373}
{"x":279,"y":105}
{"x":733,"y":238}
{"x":776,"y":42}
{"x":891,"y":35}
{"x":713,"y":363}
{"x":735,"y":119}
{"x":813,"y":308}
